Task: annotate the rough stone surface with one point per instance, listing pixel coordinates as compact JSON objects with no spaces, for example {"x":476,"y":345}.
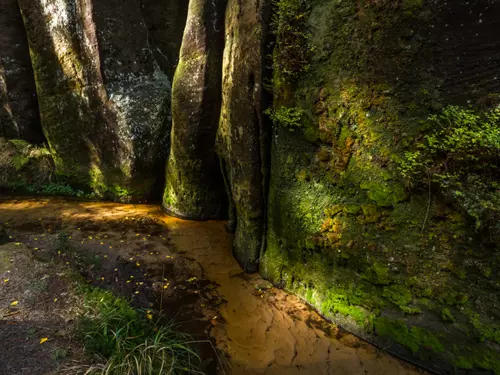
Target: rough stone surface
{"x":18,"y":104}
{"x":194,"y":186}
{"x":241,"y":134}
{"x":402,"y":267}
{"x":165,"y":21}
{"x":103,"y":98}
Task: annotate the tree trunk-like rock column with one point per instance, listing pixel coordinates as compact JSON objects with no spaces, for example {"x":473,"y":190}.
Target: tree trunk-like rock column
{"x":102,"y":96}
{"x":194,"y":186}
{"x":240,"y":139}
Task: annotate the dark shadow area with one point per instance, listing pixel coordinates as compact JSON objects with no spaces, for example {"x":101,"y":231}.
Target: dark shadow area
{"x":19,"y":117}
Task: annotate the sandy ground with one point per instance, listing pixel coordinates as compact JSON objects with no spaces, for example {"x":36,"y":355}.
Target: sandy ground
{"x":187,"y":270}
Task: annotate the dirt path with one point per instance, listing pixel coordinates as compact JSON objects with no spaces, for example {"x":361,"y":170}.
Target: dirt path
{"x":261,"y":329}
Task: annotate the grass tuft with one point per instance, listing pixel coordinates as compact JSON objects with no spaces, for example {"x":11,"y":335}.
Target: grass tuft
{"x":126,"y":341}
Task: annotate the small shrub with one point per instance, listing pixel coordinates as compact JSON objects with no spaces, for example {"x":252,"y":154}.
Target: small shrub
{"x":287,"y":117}
{"x":460,"y":155}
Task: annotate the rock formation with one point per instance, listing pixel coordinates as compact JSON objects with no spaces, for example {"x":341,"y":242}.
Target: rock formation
{"x":374,"y":195}
{"x":241,"y":136}
{"x":103,"y":97}
{"x":18,"y":102}
{"x":194,"y":187}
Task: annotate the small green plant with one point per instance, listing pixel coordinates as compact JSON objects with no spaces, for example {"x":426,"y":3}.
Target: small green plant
{"x":26,"y":152}
{"x":287,"y":117}
{"x":128,"y":342}
{"x":292,"y":50}
{"x":460,"y":155}
{"x":60,"y":189}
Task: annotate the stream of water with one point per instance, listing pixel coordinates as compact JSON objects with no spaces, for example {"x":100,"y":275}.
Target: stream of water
{"x":260,"y":329}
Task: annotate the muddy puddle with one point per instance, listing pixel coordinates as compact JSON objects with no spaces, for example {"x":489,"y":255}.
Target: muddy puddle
{"x":186,"y":269}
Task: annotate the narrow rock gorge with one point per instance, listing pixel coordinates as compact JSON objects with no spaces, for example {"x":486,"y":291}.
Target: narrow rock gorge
{"x":352,"y":146}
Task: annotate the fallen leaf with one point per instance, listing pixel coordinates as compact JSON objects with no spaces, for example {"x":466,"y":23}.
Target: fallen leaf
{"x":14,"y":303}
{"x":6,"y":281}
{"x":44,"y":339}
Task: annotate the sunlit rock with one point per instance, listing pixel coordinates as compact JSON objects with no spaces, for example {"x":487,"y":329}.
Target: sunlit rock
{"x":194,"y":185}
{"x":103,"y":97}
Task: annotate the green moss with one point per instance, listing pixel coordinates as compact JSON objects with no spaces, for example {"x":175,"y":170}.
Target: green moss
{"x":471,"y":357}
{"x":378,"y":274}
{"x":447,"y":316}
{"x":378,"y":246}
{"x":342,"y":303}
{"x":384,"y":193}
{"x":398,"y":294}
{"x":414,"y":338}
{"x":485,"y":331}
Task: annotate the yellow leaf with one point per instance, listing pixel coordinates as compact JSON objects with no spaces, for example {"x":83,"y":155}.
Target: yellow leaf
{"x":149,"y":316}
{"x":44,"y":339}
{"x":6,"y":281}
{"x":14,"y":303}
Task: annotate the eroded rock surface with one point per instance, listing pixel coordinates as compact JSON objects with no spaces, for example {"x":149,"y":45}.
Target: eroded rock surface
{"x":194,"y":186}
{"x":241,"y":134}
{"x":103,"y":98}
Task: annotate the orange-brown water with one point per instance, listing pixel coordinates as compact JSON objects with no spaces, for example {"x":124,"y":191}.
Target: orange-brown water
{"x":262,"y":330}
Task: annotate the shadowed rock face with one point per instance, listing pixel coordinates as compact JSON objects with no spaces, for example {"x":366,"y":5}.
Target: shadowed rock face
{"x":194,"y":186}
{"x":241,"y":134}
{"x":165,"y":22}
{"x":18,"y":104}
{"x":103,"y":97}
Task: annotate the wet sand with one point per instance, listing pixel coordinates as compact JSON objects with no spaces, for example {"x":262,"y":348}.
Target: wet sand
{"x":258,"y":329}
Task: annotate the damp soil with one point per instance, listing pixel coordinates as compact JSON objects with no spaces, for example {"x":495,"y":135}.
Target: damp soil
{"x":242,"y":324}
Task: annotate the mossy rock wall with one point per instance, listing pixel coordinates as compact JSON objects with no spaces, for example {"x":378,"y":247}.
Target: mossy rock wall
{"x":18,"y":104}
{"x":194,"y":186}
{"x":103,"y":98}
{"x":241,"y":134}
{"x":400,"y":265}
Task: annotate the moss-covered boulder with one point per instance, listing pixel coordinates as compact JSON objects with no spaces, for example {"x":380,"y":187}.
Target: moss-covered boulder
{"x":103,"y":98}
{"x":18,"y":105}
{"x":194,"y":186}
{"x":241,"y":136}
{"x":381,"y":206}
